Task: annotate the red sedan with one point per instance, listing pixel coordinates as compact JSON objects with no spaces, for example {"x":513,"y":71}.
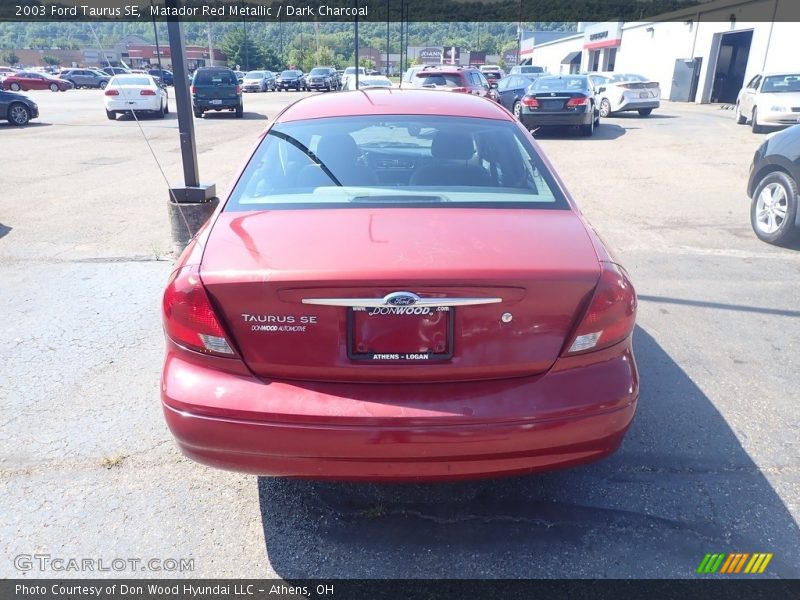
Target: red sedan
{"x":398,"y":287}
{"x":30,"y":80}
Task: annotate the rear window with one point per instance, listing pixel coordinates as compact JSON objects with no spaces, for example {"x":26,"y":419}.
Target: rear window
{"x":214,"y":78}
{"x":449,"y":80}
{"x":628,"y":77}
{"x":557,"y":84}
{"x":397,"y":160}
{"x":130,"y":81}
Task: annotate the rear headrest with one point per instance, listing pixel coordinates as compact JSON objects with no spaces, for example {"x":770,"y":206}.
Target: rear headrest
{"x":450,"y":145}
{"x":337,"y":148}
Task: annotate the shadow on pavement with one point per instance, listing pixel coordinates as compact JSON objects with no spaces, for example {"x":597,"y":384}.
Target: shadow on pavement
{"x":252,"y":116}
{"x":681,"y":486}
{"x":604,"y":131}
{"x":4,"y":230}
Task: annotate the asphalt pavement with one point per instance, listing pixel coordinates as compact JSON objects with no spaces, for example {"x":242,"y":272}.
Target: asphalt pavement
{"x":88,"y":467}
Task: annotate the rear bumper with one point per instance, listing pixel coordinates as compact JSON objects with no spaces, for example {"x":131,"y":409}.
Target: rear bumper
{"x":152,"y":103}
{"x":543,"y":119}
{"x":400,"y":432}
{"x":637,"y":104}
{"x":206,"y":104}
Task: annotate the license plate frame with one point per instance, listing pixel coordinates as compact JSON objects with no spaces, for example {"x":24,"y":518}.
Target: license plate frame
{"x":644,"y":94}
{"x":552,"y":105}
{"x":216,"y":102}
{"x":389,"y":356}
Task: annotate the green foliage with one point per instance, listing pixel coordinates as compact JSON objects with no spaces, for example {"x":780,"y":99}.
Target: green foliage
{"x":367,"y":63}
{"x":53,"y":61}
{"x":9,"y":58}
{"x":242,"y":50}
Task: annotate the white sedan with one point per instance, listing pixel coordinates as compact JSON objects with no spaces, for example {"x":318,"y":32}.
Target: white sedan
{"x":367,"y":81}
{"x":618,"y":92}
{"x":771,"y":99}
{"x":135,"y":93}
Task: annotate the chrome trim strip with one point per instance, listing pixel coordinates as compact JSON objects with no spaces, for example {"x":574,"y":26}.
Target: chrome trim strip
{"x":379,"y":302}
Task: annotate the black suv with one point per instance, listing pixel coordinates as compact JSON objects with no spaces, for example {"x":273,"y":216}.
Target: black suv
{"x":322,"y":78}
{"x":291,"y":79}
{"x":451,"y":78}
{"x":216,"y":88}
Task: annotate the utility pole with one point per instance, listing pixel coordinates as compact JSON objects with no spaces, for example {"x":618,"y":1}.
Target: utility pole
{"x":190,"y":206}
{"x":158,"y":47}
{"x":210,"y":48}
{"x":402,"y":46}
{"x":246,"y":48}
{"x":386,"y":66}
{"x":355,"y":25}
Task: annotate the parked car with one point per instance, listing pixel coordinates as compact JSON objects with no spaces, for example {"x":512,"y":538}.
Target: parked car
{"x":448,"y":78}
{"x":216,"y":88}
{"x":111,"y":71}
{"x":322,"y":78}
{"x":291,"y":79}
{"x":773,"y":188}
{"x":407,"y":80}
{"x":17,"y":109}
{"x":560,"y":100}
{"x":6,"y":71}
{"x":769,"y":99}
{"x":166,"y":77}
{"x":86,"y":78}
{"x":492,"y":73}
{"x":619,"y":92}
{"x":510,"y":90}
{"x":135,"y":93}
{"x":351,"y":72}
{"x":239,"y":76}
{"x":28,"y":80}
{"x":526,"y":69}
{"x":395,"y":346}
{"x":368,"y":81}
{"x":258,"y":81}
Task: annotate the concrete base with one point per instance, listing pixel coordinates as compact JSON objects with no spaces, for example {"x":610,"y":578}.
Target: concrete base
{"x":186,"y":219}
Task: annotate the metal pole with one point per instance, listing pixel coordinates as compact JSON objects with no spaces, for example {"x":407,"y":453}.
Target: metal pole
{"x":402,"y":47}
{"x":158,"y":48}
{"x":210,"y":48}
{"x":356,"y":39}
{"x":386,"y":66}
{"x":246,"y":49}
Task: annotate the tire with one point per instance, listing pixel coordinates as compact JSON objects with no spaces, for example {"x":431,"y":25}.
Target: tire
{"x":14,"y":87}
{"x":773,"y":211}
{"x":645,"y":112}
{"x":53,"y":87}
{"x":198,"y":113}
{"x":754,"y":126}
{"x":240,"y":112}
{"x":605,"y":108}
{"x":18,"y":114}
{"x":161,"y":113}
{"x":587,"y":130}
{"x":112,"y":116}
{"x":740,"y":118}
{"x":102,"y":85}
{"x":166,"y":107}
{"x":517,"y":110}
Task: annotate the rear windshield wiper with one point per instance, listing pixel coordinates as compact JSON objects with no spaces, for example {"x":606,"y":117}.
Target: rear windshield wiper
{"x":307,"y":151}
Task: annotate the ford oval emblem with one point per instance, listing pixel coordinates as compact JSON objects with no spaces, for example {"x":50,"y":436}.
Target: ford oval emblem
{"x":401,"y":299}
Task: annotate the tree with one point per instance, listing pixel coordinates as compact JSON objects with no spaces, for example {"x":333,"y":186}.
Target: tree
{"x":367,"y":63}
{"x":53,"y":61}
{"x":323,"y":56}
{"x":241,"y":50}
{"x":9,"y":58}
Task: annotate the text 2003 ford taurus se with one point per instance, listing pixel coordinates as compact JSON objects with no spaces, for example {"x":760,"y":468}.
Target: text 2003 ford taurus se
{"x":398,"y":287}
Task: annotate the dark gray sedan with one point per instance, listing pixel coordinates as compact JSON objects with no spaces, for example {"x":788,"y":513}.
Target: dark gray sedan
{"x":773,"y":188}
{"x":560,"y":100}
{"x":511,"y":89}
{"x":17,"y":109}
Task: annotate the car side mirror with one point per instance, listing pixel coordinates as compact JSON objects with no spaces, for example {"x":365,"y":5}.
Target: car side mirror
{"x":602,"y":88}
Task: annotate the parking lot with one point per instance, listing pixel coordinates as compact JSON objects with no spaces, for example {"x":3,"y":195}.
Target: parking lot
{"x":88,"y":467}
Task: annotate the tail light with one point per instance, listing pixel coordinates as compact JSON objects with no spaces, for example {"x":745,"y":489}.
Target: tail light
{"x":147,"y":93}
{"x":192,"y":90}
{"x":652,"y":84}
{"x":610,"y":316}
{"x":111,"y":93}
{"x":238,"y":90}
{"x":458,"y":89}
{"x":627,"y":86}
{"x":530,"y":102}
{"x":189,"y":318}
{"x":577,"y":102}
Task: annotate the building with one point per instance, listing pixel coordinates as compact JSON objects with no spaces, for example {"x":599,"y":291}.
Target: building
{"x":143,"y":55}
{"x":703,"y":54}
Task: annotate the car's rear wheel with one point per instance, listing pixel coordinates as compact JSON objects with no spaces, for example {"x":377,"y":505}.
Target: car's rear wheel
{"x":198,"y":113}
{"x":53,"y":87}
{"x":112,"y":116}
{"x":605,"y":108}
{"x":102,"y":85}
{"x":754,"y":122}
{"x":645,"y":112}
{"x":740,"y":118}
{"x":18,"y":114}
{"x":162,"y":112}
{"x":14,"y":87}
{"x":587,"y":130}
{"x":516,"y":108}
{"x":774,"y":209}
{"x":240,"y":112}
